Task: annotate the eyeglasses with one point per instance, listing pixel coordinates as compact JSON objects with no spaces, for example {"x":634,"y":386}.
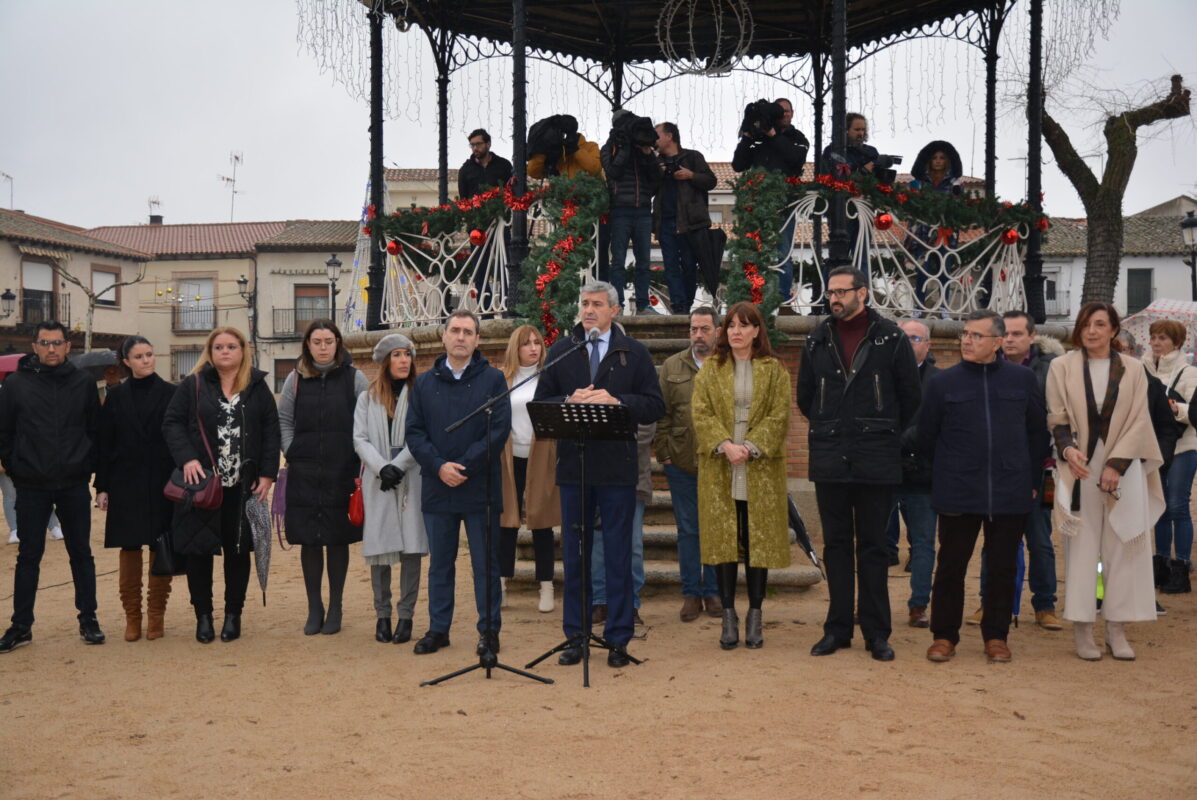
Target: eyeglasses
{"x":840,"y":294}
{"x":51,"y":342}
{"x":975,"y":338}
{"x":478,"y":143}
{"x":916,"y":339}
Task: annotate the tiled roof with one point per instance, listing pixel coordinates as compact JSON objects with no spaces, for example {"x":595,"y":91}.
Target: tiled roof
{"x":20,"y":227}
{"x":1141,"y":236}
{"x":213,"y":240}
{"x":405,"y":175}
{"x":307,"y":234}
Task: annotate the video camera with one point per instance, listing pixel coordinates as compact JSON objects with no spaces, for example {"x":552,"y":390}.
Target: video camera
{"x":636,"y":131}
{"x":551,"y":137}
{"x":759,"y":117}
{"x":883,"y":168}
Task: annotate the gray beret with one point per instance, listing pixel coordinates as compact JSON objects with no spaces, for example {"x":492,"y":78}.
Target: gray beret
{"x":390,"y":343}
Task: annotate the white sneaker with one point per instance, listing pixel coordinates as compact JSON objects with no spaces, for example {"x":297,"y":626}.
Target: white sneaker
{"x":56,"y":534}
{"x":547,"y":602}
{"x":12,"y":537}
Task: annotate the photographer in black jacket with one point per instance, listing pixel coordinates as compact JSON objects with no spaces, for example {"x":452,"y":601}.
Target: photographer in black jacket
{"x":858,"y":156}
{"x":769,"y":141}
{"x":679,"y":212}
{"x":49,"y":418}
{"x":633,"y":175}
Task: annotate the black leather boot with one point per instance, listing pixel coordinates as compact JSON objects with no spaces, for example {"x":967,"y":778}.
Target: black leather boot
{"x":1159,"y":569}
{"x":753,"y":636}
{"x":731,"y":629}
{"x":1178,"y":578}
{"x":232,"y":628}
{"x":402,"y":631}
{"x":382,"y":630}
{"x":204,"y":633}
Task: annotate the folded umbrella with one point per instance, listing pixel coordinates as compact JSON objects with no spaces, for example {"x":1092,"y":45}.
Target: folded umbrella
{"x":257,"y":513}
{"x":95,"y":362}
{"x":800,"y":532}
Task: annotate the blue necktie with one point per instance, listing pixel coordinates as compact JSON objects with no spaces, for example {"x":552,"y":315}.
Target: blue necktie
{"x":594,"y":360}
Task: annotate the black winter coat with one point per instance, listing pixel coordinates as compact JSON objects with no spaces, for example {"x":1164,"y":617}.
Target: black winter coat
{"x":916,"y":470}
{"x":438,"y":401}
{"x":321,"y":462}
{"x":857,"y":412}
{"x":197,"y":531}
{"x":133,"y":463}
{"x":692,"y":212}
{"x":49,"y":419}
{"x":632,"y":176}
{"x":628,"y":374}
{"x":855,"y":156}
{"x":784,"y":153}
{"x":473,"y":178}
{"x":984,"y":427}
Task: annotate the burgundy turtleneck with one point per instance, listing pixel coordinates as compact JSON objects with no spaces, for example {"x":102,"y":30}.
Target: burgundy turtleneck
{"x":852,"y":333}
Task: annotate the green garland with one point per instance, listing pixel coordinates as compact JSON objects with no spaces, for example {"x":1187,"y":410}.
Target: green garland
{"x":761,"y":200}
{"x":552,"y":271}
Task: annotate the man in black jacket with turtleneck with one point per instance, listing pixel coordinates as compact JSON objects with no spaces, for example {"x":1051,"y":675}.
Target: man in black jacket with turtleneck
{"x":49,"y":413}
{"x":859,"y":387}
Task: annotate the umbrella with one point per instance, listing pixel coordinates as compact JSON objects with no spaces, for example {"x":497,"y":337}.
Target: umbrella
{"x":278,"y":504}
{"x":799,"y":529}
{"x":257,"y":512}
{"x":1183,"y":311}
{"x":95,"y":362}
{"x":707,"y":247}
{"x":8,"y":363}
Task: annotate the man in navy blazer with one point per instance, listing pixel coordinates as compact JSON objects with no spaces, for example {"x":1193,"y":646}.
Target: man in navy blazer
{"x":983,"y":473}
{"x":612,"y":369}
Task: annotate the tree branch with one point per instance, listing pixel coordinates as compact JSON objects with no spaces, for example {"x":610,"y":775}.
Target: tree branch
{"x":1121,"y":133}
{"x":1067,"y":159}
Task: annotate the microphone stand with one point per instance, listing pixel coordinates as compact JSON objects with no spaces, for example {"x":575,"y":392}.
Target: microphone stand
{"x":488,"y":660}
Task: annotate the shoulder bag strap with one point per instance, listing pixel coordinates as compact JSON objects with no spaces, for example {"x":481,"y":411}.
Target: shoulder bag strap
{"x":200,"y":423}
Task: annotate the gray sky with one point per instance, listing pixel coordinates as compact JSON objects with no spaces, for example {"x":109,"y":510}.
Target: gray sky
{"x":109,"y":102}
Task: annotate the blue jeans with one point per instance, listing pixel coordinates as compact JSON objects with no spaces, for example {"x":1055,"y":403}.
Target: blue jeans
{"x":598,"y":568}
{"x":443,"y":535}
{"x":785,"y":252}
{"x":34,"y":507}
{"x":698,"y":580}
{"x":920,"y":529}
{"x":1175,"y":526}
{"x":617,"y":506}
{"x":635,"y":224}
{"x":1041,"y":560}
{"x":681,"y":266}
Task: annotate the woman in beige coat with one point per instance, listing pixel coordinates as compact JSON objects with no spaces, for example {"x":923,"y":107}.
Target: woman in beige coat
{"x":1097,"y":412}
{"x":529,"y":471}
{"x":741,"y":412}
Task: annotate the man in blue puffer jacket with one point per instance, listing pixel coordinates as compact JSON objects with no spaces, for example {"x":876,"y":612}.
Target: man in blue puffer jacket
{"x":982,"y":474}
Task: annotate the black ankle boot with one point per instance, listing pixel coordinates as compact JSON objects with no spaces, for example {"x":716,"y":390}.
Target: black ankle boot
{"x":232,"y":628}
{"x":1159,"y":569}
{"x":1178,"y":578}
{"x":315,"y":619}
{"x":382,"y":630}
{"x":204,"y":633}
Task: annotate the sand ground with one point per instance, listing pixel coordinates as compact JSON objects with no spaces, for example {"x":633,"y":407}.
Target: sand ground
{"x":281,"y":715}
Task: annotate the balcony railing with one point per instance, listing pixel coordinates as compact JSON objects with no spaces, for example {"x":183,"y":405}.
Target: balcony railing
{"x":292,"y":322}
{"x":1057,"y":306}
{"x":197,"y":319}
{"x":43,"y":307}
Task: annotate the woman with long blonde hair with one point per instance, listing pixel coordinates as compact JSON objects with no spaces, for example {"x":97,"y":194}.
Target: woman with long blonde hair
{"x":222,"y":422}
{"x":529,"y":477}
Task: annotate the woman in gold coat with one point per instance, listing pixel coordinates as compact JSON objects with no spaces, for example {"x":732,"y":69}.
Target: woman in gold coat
{"x":741,"y":413}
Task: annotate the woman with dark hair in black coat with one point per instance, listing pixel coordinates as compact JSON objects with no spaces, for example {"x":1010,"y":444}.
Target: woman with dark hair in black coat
{"x":937,"y":168}
{"x":240,"y":424}
{"x":315,"y":414}
{"x":132,"y":466}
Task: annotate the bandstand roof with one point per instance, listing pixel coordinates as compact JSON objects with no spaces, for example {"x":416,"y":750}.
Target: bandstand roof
{"x":601,"y":30}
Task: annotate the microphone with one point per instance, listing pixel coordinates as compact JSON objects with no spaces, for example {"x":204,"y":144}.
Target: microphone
{"x":593,"y":336}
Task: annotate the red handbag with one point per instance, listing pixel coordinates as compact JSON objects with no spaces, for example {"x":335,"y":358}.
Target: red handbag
{"x":208,"y":493}
{"x":357,"y":504}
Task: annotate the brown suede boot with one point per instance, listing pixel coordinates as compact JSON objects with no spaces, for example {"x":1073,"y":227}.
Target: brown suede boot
{"x":155,"y":603}
{"x":130,"y":589}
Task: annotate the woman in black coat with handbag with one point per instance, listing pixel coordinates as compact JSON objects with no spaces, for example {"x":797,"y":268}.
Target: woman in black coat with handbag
{"x":132,"y":466}
{"x":239,"y":436}
{"x":316,"y":418}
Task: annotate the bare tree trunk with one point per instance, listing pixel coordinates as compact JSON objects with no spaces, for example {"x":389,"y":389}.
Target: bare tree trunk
{"x":91,"y":316}
{"x":1103,"y":200}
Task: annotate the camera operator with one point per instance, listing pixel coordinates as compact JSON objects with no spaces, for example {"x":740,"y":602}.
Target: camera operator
{"x":859,"y":156}
{"x":680,"y":208}
{"x":556,"y":148}
{"x":633,"y":175}
{"x":769,"y":141}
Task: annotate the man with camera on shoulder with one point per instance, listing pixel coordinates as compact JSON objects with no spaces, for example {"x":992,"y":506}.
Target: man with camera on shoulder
{"x":769,"y":141}
{"x":633,"y":175}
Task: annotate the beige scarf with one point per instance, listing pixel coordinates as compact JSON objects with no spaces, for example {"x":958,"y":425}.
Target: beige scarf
{"x":1130,"y":436}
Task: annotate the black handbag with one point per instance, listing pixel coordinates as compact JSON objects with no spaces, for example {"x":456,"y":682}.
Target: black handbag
{"x":167,"y":560}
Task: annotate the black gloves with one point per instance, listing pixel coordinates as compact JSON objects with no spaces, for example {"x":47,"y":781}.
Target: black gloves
{"x":389,"y":476}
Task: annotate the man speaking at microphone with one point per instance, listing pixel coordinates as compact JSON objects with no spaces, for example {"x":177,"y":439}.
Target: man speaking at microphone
{"x":611,"y":369}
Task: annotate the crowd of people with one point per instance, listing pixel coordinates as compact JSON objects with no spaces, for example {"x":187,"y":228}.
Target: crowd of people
{"x":1013,"y":442}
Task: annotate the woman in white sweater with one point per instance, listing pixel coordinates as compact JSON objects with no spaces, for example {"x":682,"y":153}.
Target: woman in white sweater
{"x":1174,"y":531}
{"x":529,"y":470}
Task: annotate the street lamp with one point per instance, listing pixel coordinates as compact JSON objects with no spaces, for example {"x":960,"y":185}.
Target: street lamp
{"x":1188,"y":230}
{"x":8,"y":302}
{"x":334,"y":272}
{"x":243,"y":287}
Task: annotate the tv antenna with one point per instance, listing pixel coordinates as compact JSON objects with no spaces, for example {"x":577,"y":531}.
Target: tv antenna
{"x":154,"y":203}
{"x":235,"y":158}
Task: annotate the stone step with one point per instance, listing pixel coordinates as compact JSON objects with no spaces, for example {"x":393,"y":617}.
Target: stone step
{"x":660,"y":544}
{"x":663,"y":577}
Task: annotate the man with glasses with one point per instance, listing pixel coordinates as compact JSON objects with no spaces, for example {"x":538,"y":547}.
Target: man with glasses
{"x":48,"y":416}
{"x":859,"y":387}
{"x":483,"y":169}
{"x":984,"y":427}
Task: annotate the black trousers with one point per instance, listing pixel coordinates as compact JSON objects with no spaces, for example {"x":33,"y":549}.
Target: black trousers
{"x":542,"y":538}
{"x":236,"y":561}
{"x":34,"y":507}
{"x":854,"y":516}
{"x":957,"y":538}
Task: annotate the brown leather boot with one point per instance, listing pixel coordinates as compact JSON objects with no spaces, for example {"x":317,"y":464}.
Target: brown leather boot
{"x":155,"y":606}
{"x":130,"y":590}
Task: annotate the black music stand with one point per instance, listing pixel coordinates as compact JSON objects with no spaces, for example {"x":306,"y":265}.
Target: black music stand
{"x":582,"y":422}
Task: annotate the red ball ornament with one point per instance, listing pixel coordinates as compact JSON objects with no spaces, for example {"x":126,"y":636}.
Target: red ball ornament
{"x":477,"y":237}
{"x":394,"y":248}
{"x":653,"y":300}
{"x":884,"y":221}
{"x":1042,"y":224}
{"x":1009,"y":236}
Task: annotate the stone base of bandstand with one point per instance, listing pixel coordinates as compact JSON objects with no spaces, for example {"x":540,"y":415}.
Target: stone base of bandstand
{"x":664,"y":336}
